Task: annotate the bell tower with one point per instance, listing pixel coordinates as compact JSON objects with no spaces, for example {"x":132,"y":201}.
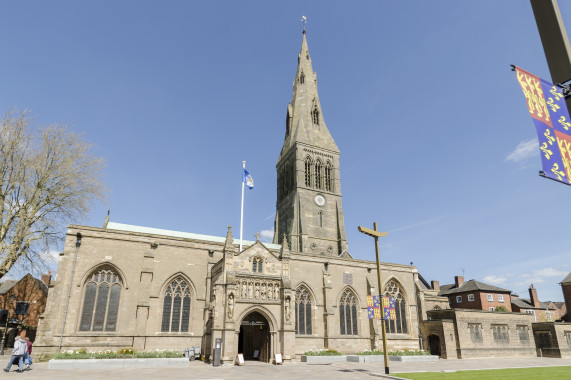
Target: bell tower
{"x":308,"y":209}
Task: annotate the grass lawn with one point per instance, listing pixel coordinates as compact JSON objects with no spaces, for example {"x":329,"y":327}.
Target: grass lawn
{"x":542,"y":373}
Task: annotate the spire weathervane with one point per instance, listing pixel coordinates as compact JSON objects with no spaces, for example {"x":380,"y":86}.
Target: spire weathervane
{"x":303,"y":21}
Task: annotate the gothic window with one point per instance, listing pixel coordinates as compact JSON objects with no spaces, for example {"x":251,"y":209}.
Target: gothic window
{"x":302,"y":78}
{"x":302,"y":311}
{"x":101,"y":301}
{"x":348,"y":313}
{"x":398,"y":325}
{"x":328,"y":184}
{"x":308,"y":171}
{"x":320,"y":215}
{"x":315,"y":116}
{"x":176,"y":306}
{"x":475,"y":332}
{"x":318,"y":174}
{"x":257,"y":265}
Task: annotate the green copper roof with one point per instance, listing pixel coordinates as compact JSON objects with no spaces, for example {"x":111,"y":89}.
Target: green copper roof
{"x":184,"y":235}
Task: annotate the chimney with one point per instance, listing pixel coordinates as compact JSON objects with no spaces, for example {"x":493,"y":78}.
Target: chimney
{"x":533,"y":296}
{"x":435,"y":285}
{"x":47,"y":278}
{"x":458,"y":281}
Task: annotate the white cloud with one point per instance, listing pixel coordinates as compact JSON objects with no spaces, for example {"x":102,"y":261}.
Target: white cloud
{"x":495,"y":279}
{"x":51,"y":257}
{"x":539,"y":276}
{"x":523,"y":151}
{"x":419,"y":224}
{"x":267,"y":235}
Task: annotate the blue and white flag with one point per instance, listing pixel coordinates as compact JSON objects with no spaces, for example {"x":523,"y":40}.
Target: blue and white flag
{"x":248,"y":180}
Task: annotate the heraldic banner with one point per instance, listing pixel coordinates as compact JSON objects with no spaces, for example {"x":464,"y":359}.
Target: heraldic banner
{"x":374,"y":307}
{"x":547,"y":107}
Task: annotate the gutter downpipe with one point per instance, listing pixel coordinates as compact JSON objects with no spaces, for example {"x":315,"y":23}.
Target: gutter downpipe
{"x":77,"y":244}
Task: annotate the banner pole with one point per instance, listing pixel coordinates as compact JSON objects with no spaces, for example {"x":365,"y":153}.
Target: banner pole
{"x":242,"y":208}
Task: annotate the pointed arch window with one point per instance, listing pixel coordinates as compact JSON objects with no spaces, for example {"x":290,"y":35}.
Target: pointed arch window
{"x":328,"y":181}
{"x":257,"y":265}
{"x":176,"y":306}
{"x":307,"y":171}
{"x":302,"y":311}
{"x":101,"y":301}
{"x":398,"y":325}
{"x":315,"y":116}
{"x":318,"y":174}
{"x":302,"y":78}
{"x":348,"y":313}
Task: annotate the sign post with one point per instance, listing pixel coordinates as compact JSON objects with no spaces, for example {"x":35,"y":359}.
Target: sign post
{"x":376,"y":235}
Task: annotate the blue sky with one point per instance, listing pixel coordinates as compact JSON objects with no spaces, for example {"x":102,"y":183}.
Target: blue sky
{"x":435,"y":138}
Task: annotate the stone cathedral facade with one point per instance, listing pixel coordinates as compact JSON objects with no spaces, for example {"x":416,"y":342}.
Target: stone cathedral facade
{"x":148,"y":288}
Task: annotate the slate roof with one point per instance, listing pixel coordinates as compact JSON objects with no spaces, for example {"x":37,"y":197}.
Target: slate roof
{"x":525,"y":303}
{"x":470,"y":286}
{"x":7,"y":285}
{"x":566,"y":279}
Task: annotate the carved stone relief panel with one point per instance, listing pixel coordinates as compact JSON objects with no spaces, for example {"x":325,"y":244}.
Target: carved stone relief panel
{"x":258,"y":289}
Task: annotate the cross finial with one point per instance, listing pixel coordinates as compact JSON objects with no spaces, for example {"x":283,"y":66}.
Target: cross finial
{"x":303,"y":21}
{"x":257,"y":235}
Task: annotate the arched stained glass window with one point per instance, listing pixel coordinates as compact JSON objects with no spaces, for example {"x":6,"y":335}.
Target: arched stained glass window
{"x":398,"y":325}
{"x":302,"y":311}
{"x":176,"y":306}
{"x":101,"y":301}
{"x":348,"y":313}
{"x":308,"y":171}
{"x":328,"y":181}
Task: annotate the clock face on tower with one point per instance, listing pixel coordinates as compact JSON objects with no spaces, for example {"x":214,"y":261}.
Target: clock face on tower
{"x":319,"y":200}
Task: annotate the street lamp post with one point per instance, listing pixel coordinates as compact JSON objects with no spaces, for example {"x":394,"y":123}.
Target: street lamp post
{"x":376,"y":235}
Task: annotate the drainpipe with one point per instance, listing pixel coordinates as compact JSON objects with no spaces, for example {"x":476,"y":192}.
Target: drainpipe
{"x":77,"y":244}
{"x":417,"y":311}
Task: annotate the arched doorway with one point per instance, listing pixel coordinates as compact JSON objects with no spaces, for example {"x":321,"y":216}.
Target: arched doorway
{"x":254,"y":338}
{"x":434,"y":344}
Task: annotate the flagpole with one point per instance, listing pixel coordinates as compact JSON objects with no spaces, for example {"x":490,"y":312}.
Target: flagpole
{"x":242,"y":208}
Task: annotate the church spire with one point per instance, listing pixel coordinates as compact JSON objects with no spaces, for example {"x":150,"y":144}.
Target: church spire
{"x":304,"y":120}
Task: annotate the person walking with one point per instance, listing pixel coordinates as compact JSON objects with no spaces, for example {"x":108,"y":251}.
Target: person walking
{"x":28,"y":356}
{"x":20,"y":348}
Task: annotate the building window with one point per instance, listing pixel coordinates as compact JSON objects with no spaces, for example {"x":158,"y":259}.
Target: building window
{"x":328,"y":184}
{"x":22,"y":308}
{"x":101,"y":301}
{"x":318,"y":174}
{"x":475,"y":332}
{"x":315,"y":116}
{"x":530,"y":312}
{"x":491,"y":297}
{"x":257,"y":265}
{"x":500,"y":298}
{"x":491,"y":308}
{"x":523,"y":333}
{"x":470,"y":297}
{"x":398,"y":325}
{"x":320,"y":215}
{"x":458,"y":299}
{"x":302,"y":311}
{"x":302,"y":78}
{"x":500,"y":333}
{"x":348,"y":313}
{"x":308,"y":171}
{"x":176,"y":306}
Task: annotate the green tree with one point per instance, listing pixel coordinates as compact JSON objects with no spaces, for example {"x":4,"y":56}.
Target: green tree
{"x":501,"y":308}
{"x":48,"y":177}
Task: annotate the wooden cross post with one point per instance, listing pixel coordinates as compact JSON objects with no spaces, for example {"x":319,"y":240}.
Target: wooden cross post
{"x":376,"y":235}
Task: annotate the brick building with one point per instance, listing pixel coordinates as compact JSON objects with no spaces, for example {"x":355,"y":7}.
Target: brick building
{"x":25,"y":299}
{"x":542,"y":311}
{"x":474,"y":295}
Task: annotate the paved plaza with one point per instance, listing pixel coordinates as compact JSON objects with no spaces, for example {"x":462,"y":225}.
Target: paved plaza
{"x":296,"y":370}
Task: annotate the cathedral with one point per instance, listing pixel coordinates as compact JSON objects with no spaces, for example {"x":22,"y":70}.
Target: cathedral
{"x":128,"y":286}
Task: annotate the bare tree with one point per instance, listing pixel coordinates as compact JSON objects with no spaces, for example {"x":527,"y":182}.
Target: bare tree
{"x":48,"y":177}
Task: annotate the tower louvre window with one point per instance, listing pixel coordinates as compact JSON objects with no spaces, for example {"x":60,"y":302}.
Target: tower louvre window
{"x":315,"y":116}
{"x":318,"y":174}
{"x":302,"y":78}
{"x":308,"y":172}
{"x":320,"y":214}
{"x":328,"y":186}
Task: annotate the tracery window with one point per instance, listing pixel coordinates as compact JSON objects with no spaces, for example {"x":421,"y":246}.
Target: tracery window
{"x":302,"y":311}
{"x":176,"y":306}
{"x":328,"y":186}
{"x":318,"y":174}
{"x":348,"y":313}
{"x":308,"y":171}
{"x":398,"y":325}
{"x":315,"y":116}
{"x":101,"y":301}
{"x":257,"y":265}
